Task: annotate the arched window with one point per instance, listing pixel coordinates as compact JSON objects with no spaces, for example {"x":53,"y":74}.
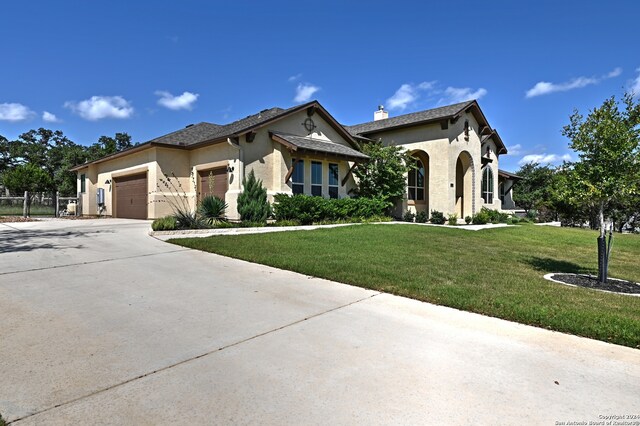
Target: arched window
{"x":416,"y":181}
{"x":487,"y":185}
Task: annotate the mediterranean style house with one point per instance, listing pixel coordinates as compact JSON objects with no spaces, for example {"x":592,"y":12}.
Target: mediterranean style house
{"x":303,"y":150}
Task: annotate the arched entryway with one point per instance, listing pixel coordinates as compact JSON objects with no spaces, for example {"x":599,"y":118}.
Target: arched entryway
{"x":465,"y":172}
{"x":418,"y":181}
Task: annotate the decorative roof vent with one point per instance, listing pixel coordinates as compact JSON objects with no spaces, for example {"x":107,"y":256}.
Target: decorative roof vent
{"x":380,"y":114}
{"x":188,"y":125}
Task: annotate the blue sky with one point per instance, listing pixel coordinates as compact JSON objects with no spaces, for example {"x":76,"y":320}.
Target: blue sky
{"x":149,"y":68}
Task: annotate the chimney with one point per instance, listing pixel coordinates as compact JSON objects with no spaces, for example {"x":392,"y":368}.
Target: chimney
{"x":380,"y":114}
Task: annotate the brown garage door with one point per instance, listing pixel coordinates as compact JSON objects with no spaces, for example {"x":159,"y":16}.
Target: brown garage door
{"x":131,"y":196}
{"x":212,"y":182}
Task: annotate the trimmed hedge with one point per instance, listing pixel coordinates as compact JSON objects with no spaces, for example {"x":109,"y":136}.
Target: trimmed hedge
{"x":307,"y":209}
{"x":168,"y":223}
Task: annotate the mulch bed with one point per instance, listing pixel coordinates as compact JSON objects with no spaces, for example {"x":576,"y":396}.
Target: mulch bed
{"x":16,"y":219}
{"x":588,"y":281}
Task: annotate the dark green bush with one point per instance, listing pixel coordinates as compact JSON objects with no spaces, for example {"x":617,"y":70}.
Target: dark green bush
{"x":211,"y":209}
{"x":307,"y":209}
{"x":495,"y":216}
{"x":252,"y":202}
{"x":437,"y":217}
{"x":480,"y":218}
{"x":408,"y":216}
{"x":422,"y":217}
{"x":168,"y":223}
{"x":468,"y":219}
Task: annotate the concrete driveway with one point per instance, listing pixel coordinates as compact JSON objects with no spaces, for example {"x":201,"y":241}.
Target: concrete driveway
{"x":102,"y":324}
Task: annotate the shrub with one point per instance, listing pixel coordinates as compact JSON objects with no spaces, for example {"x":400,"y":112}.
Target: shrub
{"x":211,"y":209}
{"x":252,"y":202}
{"x":189,"y":220}
{"x":468,"y":219}
{"x":452,"y":219}
{"x":495,"y":216}
{"x":307,"y":209}
{"x":437,"y":217}
{"x":286,"y":222}
{"x":422,"y":217}
{"x":167,"y":223}
{"x":480,"y":218}
{"x":408,"y":216}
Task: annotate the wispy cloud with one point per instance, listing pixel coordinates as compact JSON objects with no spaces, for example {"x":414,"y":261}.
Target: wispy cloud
{"x":305,"y":91}
{"x":544,"y":158}
{"x":49,"y":117}
{"x":635,"y":88}
{"x":515,"y":149}
{"x":184,"y":101}
{"x":454,"y":95}
{"x":99,"y":107}
{"x":295,"y":77}
{"x":545,"y":87}
{"x":408,"y":94}
{"x":15,"y":112}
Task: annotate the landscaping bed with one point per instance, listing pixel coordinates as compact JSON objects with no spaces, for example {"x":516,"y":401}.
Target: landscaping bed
{"x":589,"y":281}
{"x":497,"y":272}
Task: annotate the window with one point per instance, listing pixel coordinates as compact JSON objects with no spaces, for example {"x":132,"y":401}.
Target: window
{"x":82,"y":183}
{"x":416,"y":182}
{"x":333,"y":180}
{"x":487,"y":185}
{"x":316,"y":178}
{"x":297,"y":178}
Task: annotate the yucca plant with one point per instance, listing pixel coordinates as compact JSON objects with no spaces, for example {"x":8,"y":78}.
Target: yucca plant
{"x":211,"y":209}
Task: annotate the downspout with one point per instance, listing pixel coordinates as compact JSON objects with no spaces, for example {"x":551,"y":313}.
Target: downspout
{"x":240,"y":159}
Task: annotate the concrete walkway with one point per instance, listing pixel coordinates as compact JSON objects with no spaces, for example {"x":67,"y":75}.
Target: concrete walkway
{"x":102,"y":324}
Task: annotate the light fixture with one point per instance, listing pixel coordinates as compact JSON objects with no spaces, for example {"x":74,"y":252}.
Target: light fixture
{"x":107,"y":182}
{"x":230,"y":169}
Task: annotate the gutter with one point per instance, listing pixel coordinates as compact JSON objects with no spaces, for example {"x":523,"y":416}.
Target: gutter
{"x":240,"y":158}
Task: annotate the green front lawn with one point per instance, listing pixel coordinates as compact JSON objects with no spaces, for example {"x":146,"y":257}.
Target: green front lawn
{"x":496,"y":272}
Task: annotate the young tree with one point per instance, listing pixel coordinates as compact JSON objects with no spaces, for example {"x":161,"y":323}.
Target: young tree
{"x":384,"y":176}
{"x":608,"y":145}
{"x":27,"y":177}
{"x":252,"y":202}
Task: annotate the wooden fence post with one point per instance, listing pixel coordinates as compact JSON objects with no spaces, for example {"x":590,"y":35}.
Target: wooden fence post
{"x":57,"y":210}
{"x":24,"y":204}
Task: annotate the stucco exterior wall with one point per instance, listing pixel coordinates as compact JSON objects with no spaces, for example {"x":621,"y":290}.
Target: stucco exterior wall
{"x":443,"y":148}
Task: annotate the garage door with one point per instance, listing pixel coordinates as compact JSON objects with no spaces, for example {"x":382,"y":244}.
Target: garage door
{"x":131,"y":196}
{"x":213,"y":182}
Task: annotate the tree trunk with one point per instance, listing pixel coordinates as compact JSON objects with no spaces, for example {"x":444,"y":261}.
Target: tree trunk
{"x":602,"y":248}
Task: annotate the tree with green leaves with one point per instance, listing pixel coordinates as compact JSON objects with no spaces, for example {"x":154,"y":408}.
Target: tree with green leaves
{"x":533,"y":191}
{"x":27,"y":177}
{"x":384,"y":175}
{"x":608,"y":145}
{"x":252,"y":202}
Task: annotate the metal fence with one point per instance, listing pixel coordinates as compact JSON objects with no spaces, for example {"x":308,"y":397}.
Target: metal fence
{"x":40,"y":204}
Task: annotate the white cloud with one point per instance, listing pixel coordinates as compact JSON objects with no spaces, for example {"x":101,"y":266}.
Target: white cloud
{"x":407,"y":94}
{"x":616,"y":72}
{"x":545,"y":87}
{"x":635,"y":89}
{"x":295,"y":77}
{"x":49,"y":117}
{"x":304,"y":91}
{"x":544,"y":158}
{"x":515,"y":149}
{"x":99,"y":107}
{"x":15,"y":112}
{"x":454,"y":95}
{"x":184,"y":101}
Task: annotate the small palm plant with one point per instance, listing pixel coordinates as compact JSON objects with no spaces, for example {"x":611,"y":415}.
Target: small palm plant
{"x":211,"y":209}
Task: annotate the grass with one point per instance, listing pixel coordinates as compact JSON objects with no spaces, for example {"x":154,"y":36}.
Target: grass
{"x":496,"y":272}
{"x":36,"y":210}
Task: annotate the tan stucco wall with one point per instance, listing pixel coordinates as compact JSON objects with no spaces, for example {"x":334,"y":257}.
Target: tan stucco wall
{"x":443,"y":148}
{"x":269,"y":160}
